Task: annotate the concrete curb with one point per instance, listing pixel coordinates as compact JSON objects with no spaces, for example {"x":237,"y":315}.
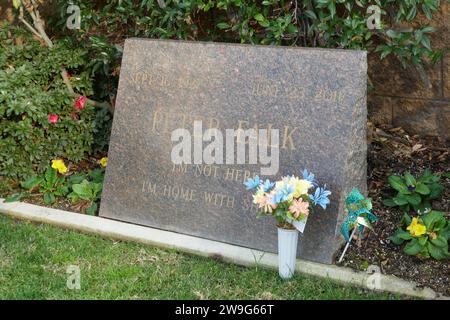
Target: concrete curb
{"x":203,"y":247}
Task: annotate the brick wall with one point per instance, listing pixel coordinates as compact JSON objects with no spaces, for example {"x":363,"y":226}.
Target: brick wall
{"x":401,"y":97}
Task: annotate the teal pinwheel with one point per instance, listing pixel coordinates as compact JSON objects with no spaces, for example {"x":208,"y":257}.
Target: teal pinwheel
{"x":359,"y":214}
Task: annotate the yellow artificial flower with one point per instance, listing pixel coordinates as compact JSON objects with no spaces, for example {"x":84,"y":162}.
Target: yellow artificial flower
{"x":258,"y":195}
{"x":301,"y":186}
{"x":416,"y":229}
{"x":280,"y":184}
{"x":104,"y":161}
{"x":59,"y":165}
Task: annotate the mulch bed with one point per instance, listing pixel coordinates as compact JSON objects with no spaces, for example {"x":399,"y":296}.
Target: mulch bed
{"x":392,"y":151}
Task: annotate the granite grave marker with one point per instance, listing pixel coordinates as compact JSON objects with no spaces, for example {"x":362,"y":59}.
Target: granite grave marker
{"x":316,"y":98}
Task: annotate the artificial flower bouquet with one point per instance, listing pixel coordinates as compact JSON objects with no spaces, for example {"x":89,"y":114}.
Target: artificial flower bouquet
{"x":290,"y":200}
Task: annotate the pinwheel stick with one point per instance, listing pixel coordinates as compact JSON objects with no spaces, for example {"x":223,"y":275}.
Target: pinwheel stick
{"x":348,"y":244}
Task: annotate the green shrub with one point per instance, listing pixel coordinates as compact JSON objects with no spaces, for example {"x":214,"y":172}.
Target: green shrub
{"x":31,"y":89}
{"x":308,"y":23}
{"x":415,"y":193}
{"x":426,"y":236}
{"x":57,"y":182}
{"x":51,"y":185}
{"x":89,"y":191}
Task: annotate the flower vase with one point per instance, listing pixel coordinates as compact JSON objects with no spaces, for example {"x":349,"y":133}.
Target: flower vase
{"x":287,"y":252}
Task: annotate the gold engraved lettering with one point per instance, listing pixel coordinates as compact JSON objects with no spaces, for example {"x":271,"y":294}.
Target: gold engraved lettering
{"x":229,"y":173}
{"x":296,"y":93}
{"x":265,"y":89}
{"x":178,"y":193}
{"x":213,"y":123}
{"x":287,"y":137}
{"x":247,"y":175}
{"x":218,"y":199}
{"x":230,"y":202}
{"x":156,"y":120}
{"x":182,"y":168}
{"x":148,"y":187}
{"x":166,"y":191}
{"x":325,"y":95}
{"x":248,"y":204}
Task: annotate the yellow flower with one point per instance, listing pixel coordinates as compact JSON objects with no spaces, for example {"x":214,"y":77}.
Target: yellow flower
{"x":301,"y":186}
{"x":258,"y":195}
{"x":59,"y":165}
{"x":104,"y":161}
{"x":416,"y":229}
{"x":280,"y":184}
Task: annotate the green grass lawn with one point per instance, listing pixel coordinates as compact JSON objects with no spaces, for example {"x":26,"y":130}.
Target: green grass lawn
{"x":34,"y":260}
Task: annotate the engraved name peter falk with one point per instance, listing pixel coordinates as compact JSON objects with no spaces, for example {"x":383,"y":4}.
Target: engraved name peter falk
{"x":164,"y":122}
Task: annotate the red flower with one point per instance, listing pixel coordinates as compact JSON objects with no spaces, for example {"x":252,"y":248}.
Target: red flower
{"x":79,"y":103}
{"x":53,"y":118}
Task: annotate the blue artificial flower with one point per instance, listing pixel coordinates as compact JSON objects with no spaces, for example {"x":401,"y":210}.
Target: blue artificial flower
{"x":252,"y":183}
{"x":309,"y":177}
{"x":284,"y":193}
{"x":271,"y":199}
{"x":320,"y":197}
{"x":267,"y":185}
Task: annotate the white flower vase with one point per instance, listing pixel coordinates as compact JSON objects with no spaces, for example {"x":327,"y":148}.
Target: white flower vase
{"x":287,"y":252}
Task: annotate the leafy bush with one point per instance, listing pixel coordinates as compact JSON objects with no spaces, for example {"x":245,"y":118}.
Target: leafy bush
{"x":415,"y":193}
{"x":308,"y":23}
{"x":38,"y":120}
{"x":58,"y":182}
{"x":102,"y":129}
{"x":87,"y":187}
{"x":50,"y":185}
{"x":427,"y":235}
{"x":89,"y":191}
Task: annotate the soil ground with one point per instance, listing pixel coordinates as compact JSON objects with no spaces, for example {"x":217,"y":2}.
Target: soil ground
{"x":392,"y":151}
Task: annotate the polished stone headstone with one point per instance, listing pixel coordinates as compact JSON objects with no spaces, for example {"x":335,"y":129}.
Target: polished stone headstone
{"x":316,"y":98}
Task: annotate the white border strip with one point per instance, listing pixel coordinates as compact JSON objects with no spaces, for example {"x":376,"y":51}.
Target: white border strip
{"x":203,"y":247}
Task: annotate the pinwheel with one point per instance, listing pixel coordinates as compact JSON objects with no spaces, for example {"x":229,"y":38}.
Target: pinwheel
{"x":359,"y":216}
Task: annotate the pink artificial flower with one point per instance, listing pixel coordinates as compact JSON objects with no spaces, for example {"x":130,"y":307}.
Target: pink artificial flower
{"x":259,"y":200}
{"x":265,"y":205}
{"x":79,"y":103}
{"x":299,"y":207}
{"x":53,"y":118}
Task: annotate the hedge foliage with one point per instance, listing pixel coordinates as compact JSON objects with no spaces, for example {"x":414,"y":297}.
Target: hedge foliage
{"x":308,"y":23}
{"x":31,"y":89}
{"x":402,"y":31}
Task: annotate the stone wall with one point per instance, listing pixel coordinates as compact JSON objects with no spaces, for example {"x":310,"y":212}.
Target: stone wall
{"x":401,"y":97}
